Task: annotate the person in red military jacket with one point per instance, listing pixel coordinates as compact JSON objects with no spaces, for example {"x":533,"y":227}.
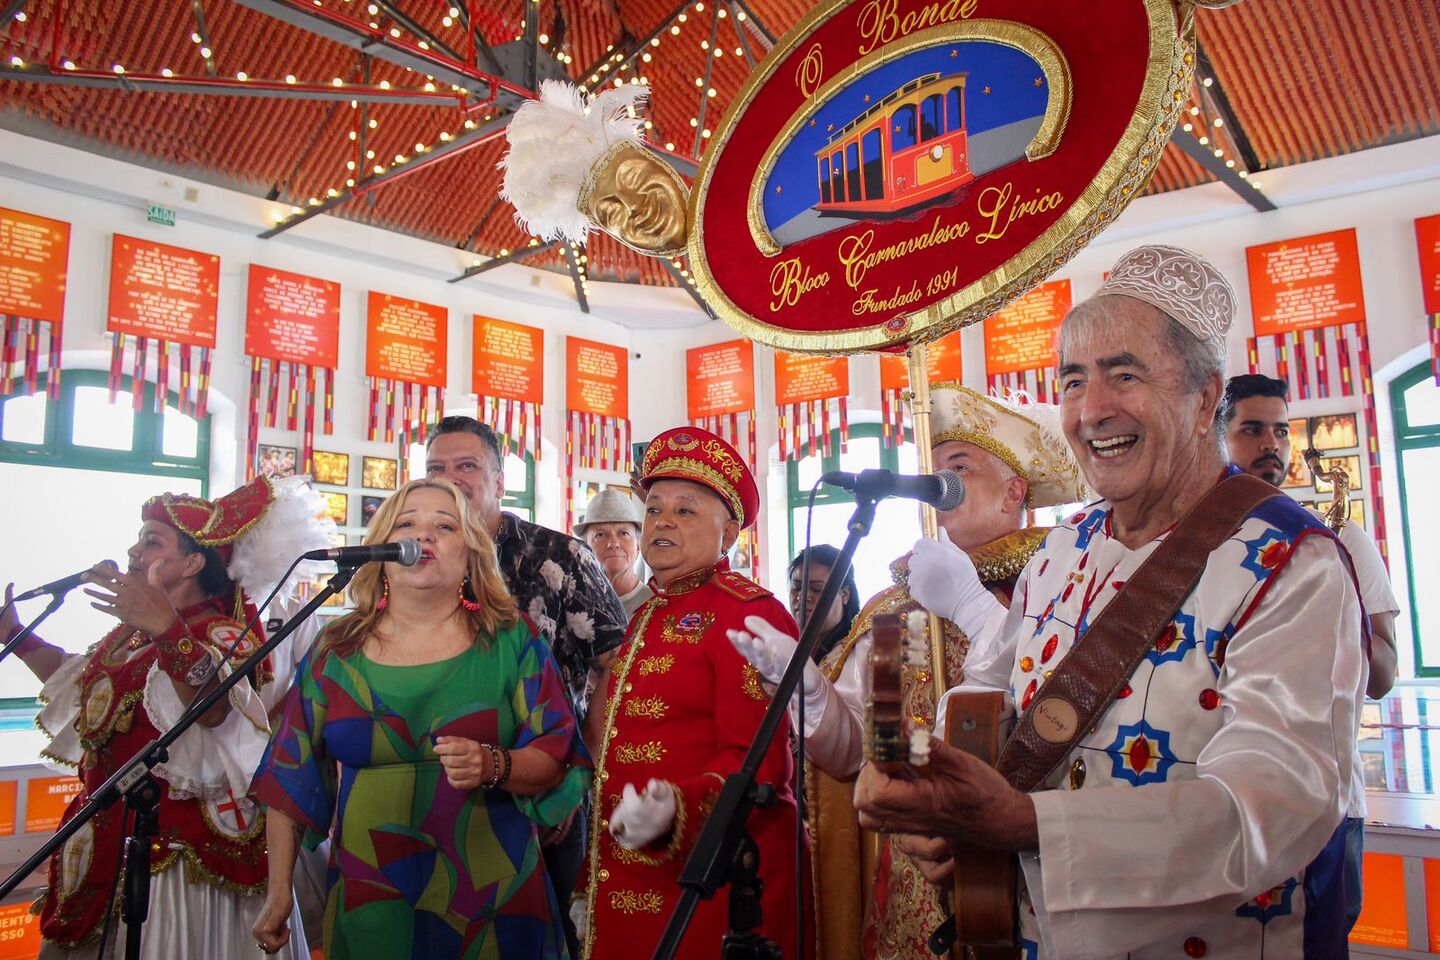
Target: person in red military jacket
{"x":681,"y":710}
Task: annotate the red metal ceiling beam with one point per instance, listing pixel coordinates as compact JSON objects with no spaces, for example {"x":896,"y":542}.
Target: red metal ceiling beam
{"x":229,"y":86}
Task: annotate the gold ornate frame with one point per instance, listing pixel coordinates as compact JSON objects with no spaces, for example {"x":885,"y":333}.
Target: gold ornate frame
{"x":1120,"y":179}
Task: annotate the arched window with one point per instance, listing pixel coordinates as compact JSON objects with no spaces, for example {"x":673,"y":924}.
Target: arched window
{"x":824,"y":179}
{"x":75,"y":472}
{"x":1415,"y":400}
{"x":897,"y":522}
{"x":931,"y":121}
{"x":871,"y":154}
{"x":902,"y":128}
{"x":954,"y":117}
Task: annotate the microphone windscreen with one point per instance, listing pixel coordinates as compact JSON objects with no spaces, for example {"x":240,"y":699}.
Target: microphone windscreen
{"x":954,"y":493}
{"x":409,"y":552}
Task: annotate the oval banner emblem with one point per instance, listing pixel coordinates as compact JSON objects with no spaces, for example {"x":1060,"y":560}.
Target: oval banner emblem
{"x":897,"y":169}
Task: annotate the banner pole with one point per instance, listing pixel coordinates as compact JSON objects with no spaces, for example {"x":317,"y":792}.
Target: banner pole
{"x":929,"y":524}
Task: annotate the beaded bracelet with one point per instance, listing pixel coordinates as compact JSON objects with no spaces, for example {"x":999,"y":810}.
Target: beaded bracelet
{"x":504,"y":777}
{"x":494,"y":779}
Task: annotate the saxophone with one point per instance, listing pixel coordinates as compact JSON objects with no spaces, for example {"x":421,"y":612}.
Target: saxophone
{"x":1338,"y":513}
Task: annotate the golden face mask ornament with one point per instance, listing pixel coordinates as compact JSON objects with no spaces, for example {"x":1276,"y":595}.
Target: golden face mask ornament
{"x":578,"y":163}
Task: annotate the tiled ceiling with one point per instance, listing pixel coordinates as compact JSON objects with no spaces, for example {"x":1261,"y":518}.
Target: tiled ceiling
{"x":1290,"y":81}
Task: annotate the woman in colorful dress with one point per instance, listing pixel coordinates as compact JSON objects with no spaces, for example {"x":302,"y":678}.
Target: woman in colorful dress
{"x":179,"y":611}
{"x":430,"y":735}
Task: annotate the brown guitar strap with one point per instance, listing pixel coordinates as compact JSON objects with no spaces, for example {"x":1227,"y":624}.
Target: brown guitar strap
{"x":1089,"y":678}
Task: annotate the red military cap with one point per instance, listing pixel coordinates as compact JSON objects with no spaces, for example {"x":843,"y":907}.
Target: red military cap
{"x":689,"y":453}
{"x":218,"y":524}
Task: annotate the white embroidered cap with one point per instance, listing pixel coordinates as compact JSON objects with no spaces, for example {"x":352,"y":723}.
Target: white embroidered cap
{"x":1179,"y":283}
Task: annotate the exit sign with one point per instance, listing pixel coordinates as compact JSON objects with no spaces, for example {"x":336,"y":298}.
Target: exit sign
{"x":158,"y":214}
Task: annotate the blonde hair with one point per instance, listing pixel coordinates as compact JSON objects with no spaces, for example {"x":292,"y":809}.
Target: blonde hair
{"x":496,"y":609}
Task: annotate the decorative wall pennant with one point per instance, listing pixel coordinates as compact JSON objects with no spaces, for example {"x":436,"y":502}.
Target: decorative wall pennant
{"x":719,"y":393}
{"x":34,"y":257}
{"x":1020,"y":342}
{"x":804,"y":389}
{"x":508,"y":380}
{"x":291,"y":322}
{"x":942,"y":364}
{"x":597,"y":412}
{"x":166,"y":296}
{"x":404,"y":356}
{"x":1427,"y":238}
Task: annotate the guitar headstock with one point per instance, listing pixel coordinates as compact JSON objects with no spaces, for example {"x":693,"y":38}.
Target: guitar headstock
{"x":895,"y":644}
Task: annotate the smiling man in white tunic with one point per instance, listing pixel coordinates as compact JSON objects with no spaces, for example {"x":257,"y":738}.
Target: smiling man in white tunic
{"x":1215,"y":691}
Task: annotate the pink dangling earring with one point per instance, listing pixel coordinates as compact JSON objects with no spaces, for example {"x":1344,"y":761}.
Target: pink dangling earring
{"x":384,"y":600}
{"x":467,"y":599}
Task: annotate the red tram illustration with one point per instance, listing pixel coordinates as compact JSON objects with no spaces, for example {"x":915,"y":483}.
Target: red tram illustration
{"x":903,"y":151}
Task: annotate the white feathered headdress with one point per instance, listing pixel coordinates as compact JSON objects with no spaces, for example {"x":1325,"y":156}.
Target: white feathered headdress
{"x":554,"y":143}
{"x":290,"y":526}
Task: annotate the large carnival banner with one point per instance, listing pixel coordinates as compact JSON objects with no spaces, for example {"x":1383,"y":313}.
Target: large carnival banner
{"x":166,"y":296}
{"x":291,"y":321}
{"x":1020,"y":342}
{"x":1305,"y":292}
{"x":34,"y":256}
{"x":507,"y":376}
{"x":1427,"y":239}
{"x":405,"y":361}
{"x":805,"y":389}
{"x":597,"y":412}
{"x":942,"y":364}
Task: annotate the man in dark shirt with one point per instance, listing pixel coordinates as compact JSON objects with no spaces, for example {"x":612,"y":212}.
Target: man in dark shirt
{"x":556,"y":581}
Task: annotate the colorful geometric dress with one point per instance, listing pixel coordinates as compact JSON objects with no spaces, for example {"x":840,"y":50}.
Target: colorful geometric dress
{"x":419,"y":868}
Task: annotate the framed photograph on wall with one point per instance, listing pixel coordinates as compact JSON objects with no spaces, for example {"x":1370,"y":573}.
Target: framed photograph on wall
{"x":275,"y":462}
{"x":1296,"y":473}
{"x":1351,"y":465}
{"x":1357,"y":512}
{"x":368,"y":506}
{"x":379,"y":473}
{"x":331,"y":468}
{"x":1335,"y":432}
{"x":336,"y":505}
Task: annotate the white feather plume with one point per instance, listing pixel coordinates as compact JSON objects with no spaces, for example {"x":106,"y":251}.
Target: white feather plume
{"x":291,"y":526}
{"x":554,"y":141}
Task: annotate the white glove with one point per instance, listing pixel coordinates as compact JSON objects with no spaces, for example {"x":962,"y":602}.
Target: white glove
{"x":642,"y":818}
{"x":578,"y":907}
{"x":770,"y":650}
{"x":943,"y":580}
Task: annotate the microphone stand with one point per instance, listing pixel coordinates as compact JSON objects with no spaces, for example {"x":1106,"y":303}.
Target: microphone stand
{"x":141,"y":791}
{"x":55,"y":600}
{"x":723,"y":850}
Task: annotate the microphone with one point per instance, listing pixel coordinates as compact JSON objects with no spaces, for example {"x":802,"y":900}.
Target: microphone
{"x":404,"y":552}
{"x":943,"y":489}
{"x":55,"y":588}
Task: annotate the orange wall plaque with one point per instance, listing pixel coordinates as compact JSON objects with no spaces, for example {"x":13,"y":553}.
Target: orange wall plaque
{"x":1382,"y":920}
{"x":597,"y":378}
{"x":942,"y":362}
{"x":289,"y":316}
{"x":1305,"y":283}
{"x":45,"y":801}
{"x":19,"y":933}
{"x":9,"y":797}
{"x":507,"y":361}
{"x":802,"y":379}
{"x":1427,"y":237}
{"x":405,"y":340}
{"x":1022,"y":336}
{"x":34,"y":252}
{"x":720,"y":379}
{"x":164,"y":292}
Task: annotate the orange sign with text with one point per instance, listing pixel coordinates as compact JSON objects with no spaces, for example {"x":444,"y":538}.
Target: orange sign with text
{"x":45,"y":801}
{"x":9,"y":799}
{"x":1305,"y":283}
{"x":405,"y":340}
{"x":34,"y":252}
{"x":597,"y":378}
{"x":1427,"y":237}
{"x":1022,"y":336}
{"x":720,"y":379}
{"x":508,"y":361}
{"x":164,"y":292}
{"x":19,"y":932}
{"x":292,"y":317}
{"x":942,"y":362}
{"x":1383,"y":921}
{"x":802,"y":379}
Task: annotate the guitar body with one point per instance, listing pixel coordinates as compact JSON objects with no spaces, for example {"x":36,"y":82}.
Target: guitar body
{"x":986,"y":881}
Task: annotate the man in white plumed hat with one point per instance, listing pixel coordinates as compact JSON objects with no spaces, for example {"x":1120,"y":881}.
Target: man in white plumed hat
{"x":1175,"y":784}
{"x":611,"y":526}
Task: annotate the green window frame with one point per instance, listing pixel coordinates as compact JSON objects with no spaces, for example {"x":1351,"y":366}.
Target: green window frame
{"x":797,"y":500}
{"x":1409,"y":437}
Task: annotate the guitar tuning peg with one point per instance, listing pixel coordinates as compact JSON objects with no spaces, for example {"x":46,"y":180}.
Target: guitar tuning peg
{"x":919,"y":747}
